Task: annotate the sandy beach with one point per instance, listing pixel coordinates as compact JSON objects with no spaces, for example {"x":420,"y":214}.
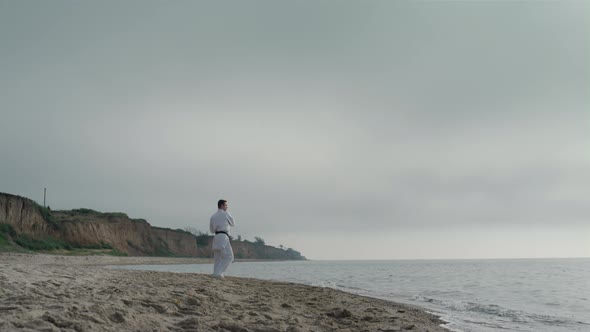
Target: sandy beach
{"x":63,"y":293}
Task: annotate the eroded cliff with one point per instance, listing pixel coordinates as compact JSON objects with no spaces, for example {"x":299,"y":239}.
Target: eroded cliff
{"x":23,"y":215}
{"x":248,"y":250}
{"x":88,"y":228}
{"x":85,"y":228}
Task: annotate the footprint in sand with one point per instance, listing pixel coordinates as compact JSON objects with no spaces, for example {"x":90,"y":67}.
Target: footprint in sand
{"x":117,"y":317}
{"x":189,"y":323}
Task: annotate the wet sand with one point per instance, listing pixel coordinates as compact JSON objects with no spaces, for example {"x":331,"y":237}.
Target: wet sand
{"x":67,"y":293}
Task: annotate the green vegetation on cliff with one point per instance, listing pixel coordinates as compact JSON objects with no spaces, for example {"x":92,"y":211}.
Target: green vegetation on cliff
{"x":244,"y":249}
{"x":48,"y":216}
{"x":6,"y":233}
{"x":27,"y":226}
{"x":91,"y":212}
{"x":11,"y":241}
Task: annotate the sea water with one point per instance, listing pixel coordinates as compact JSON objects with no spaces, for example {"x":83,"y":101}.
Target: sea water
{"x":471,"y":295}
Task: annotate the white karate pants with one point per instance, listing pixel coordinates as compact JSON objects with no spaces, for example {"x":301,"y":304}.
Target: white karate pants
{"x":223,"y":254}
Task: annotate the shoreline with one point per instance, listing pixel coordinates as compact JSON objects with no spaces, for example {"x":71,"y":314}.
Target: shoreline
{"x":77,"y":293}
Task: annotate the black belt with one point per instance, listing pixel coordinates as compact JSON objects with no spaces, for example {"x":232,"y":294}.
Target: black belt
{"x":222,"y":232}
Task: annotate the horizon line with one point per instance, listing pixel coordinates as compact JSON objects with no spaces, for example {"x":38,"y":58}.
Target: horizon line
{"x":449,"y":259}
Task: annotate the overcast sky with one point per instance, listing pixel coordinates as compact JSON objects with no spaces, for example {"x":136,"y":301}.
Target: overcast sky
{"x":346,"y":130}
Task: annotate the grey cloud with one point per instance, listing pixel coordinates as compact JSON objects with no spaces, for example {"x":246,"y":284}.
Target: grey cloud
{"x":328,"y":116}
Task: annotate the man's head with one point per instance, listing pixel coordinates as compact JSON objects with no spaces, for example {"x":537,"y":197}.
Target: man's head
{"x":222,"y":204}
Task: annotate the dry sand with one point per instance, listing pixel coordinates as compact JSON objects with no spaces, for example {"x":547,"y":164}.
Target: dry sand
{"x":63,"y":293}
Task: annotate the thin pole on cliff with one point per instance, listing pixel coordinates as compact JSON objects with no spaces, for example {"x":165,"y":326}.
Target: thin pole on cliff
{"x":44,"y":195}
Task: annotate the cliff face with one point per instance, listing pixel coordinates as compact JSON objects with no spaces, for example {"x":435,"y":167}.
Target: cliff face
{"x":24,"y":215}
{"x":87,"y":227}
{"x":135,"y":237}
{"x":179,"y":243}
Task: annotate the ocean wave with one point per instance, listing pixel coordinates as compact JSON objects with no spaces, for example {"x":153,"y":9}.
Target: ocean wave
{"x":515,"y":316}
{"x":339,"y":285}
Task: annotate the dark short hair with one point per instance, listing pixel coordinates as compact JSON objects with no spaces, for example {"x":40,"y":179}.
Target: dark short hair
{"x":220,"y":203}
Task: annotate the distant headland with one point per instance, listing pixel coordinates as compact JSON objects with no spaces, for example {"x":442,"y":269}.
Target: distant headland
{"x":28,"y":226}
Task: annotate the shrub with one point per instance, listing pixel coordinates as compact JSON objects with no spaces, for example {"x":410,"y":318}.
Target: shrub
{"x":106,"y":245}
{"x":115,"y":215}
{"x":7,"y":229}
{"x":3,"y":240}
{"x":85,"y":211}
{"x":294,"y":254}
{"x":102,"y":214}
{"x":117,"y":252}
{"x":48,"y":216}
{"x":179,"y":230}
{"x":47,"y":243}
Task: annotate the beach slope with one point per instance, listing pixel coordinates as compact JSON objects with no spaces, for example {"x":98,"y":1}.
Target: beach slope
{"x":59,"y":293}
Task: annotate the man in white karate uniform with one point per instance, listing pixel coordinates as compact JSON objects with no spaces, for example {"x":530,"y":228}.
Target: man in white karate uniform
{"x":219,"y":224}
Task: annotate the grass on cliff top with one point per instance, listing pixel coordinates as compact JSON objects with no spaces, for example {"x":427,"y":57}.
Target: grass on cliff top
{"x":102,"y":214}
{"x":90,"y":212}
{"x":178,"y":230}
